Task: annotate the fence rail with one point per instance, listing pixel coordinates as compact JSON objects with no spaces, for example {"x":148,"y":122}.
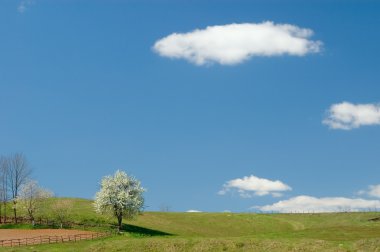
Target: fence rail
{"x":48,"y":239}
{"x":7,"y":220}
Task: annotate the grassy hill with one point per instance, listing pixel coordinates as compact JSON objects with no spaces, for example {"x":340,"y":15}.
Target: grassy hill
{"x":157,"y":231}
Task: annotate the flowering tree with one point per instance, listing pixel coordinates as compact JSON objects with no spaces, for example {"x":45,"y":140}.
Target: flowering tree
{"x":32,"y":196}
{"x":120,"y":195}
{"x":62,"y":210}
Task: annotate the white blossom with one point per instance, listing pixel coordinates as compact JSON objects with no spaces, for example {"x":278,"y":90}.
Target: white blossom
{"x":120,"y":195}
{"x":31,"y":197}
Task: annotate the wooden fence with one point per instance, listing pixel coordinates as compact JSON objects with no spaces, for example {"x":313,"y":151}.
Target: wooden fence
{"x":9,"y":220}
{"x":47,"y":239}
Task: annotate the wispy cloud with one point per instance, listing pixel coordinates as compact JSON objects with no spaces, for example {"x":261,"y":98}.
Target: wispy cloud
{"x":373,"y":191}
{"x":234,"y":43}
{"x":312,"y":204}
{"x":255,"y":186}
{"x":24,"y":5}
{"x":347,"y":116}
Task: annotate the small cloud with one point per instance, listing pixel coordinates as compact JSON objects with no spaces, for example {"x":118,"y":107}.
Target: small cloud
{"x":255,"y":186}
{"x":347,"y":116}
{"x":227,"y":211}
{"x":312,"y":204}
{"x":232,"y":44}
{"x":193,"y":211}
{"x":373,"y":191}
{"x":24,"y":4}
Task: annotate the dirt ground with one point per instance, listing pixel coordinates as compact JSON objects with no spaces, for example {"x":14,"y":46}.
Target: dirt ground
{"x":8,"y":234}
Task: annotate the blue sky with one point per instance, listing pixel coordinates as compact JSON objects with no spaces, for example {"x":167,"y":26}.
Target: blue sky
{"x":84,"y":92}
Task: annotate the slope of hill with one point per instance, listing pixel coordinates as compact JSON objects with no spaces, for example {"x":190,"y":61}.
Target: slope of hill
{"x":158,"y":231}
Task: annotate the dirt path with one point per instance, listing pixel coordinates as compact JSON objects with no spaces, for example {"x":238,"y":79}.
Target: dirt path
{"x":8,"y":234}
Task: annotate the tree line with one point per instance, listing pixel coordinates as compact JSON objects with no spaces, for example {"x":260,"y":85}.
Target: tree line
{"x":14,"y":173}
{"x":120,"y":195}
{"x":20,"y":196}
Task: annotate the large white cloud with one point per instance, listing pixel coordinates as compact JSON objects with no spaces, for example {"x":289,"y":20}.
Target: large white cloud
{"x":234,"y":43}
{"x":313,"y":204}
{"x":348,"y":116}
{"x":373,"y":191}
{"x":252,"y":185}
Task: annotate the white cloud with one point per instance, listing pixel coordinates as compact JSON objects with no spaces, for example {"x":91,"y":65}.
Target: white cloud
{"x":252,"y":185}
{"x":348,"y":116}
{"x":234,"y":43}
{"x":24,"y":4}
{"x":313,"y":204}
{"x":193,"y":211}
{"x":373,"y":191}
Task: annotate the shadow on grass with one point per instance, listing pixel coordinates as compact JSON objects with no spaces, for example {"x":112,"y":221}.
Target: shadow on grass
{"x":141,"y":231}
{"x":375,"y":219}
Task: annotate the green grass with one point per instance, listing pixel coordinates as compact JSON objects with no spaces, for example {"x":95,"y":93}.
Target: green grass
{"x":16,"y":226}
{"x":157,"y":231}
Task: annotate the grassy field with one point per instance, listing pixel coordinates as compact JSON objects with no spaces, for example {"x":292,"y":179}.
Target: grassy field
{"x":155,"y":231}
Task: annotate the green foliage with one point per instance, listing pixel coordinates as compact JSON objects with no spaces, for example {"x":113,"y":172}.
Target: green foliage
{"x":16,"y":226}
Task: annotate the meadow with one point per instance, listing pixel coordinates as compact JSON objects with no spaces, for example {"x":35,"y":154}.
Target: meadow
{"x":174,"y":231}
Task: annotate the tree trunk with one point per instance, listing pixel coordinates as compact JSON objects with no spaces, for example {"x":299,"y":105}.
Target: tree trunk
{"x":119,"y":222}
{"x":15,"y":211}
{"x":5,"y":211}
{"x":31,"y":217}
